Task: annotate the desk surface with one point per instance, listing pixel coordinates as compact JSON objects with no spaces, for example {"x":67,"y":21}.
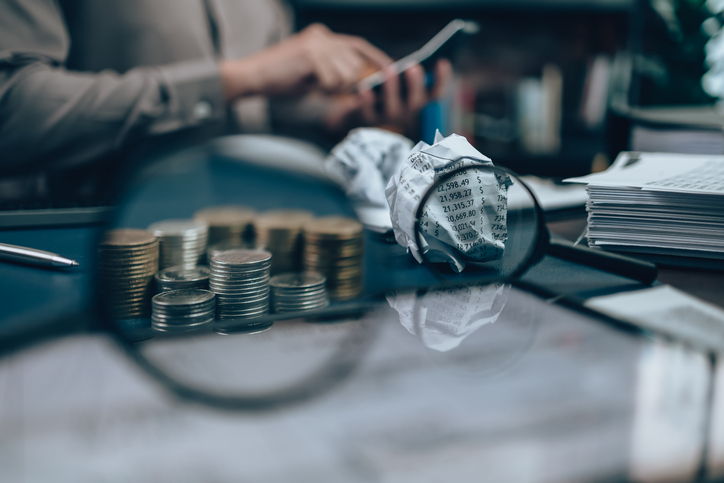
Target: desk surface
{"x":582,"y":401}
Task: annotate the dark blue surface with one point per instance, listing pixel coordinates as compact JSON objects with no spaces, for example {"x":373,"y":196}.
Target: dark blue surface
{"x":35,"y":297}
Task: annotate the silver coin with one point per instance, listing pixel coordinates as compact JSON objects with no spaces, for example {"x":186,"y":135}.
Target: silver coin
{"x":183,"y":297}
{"x":280,"y":310}
{"x":177,"y":227}
{"x":299,"y":293}
{"x":277,"y":301}
{"x":251,"y":312}
{"x":302,"y":304}
{"x":184,"y":308}
{"x":164,"y":327}
{"x":241,"y":304}
{"x":242,"y":257}
{"x":180,"y":274}
{"x":239,"y":288}
{"x":297,"y":280}
{"x":241,"y":316}
{"x":241,"y":272}
{"x":165,"y":287}
{"x":237,"y":285}
{"x":181,"y":317}
{"x":226,"y":301}
{"x":299,"y":302}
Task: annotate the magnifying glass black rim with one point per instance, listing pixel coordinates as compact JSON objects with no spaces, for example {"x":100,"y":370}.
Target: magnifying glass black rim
{"x":537,"y":249}
{"x":328,"y":375}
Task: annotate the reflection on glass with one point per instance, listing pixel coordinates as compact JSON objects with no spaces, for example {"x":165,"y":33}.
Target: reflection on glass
{"x":443,"y":318}
{"x":469,"y":328}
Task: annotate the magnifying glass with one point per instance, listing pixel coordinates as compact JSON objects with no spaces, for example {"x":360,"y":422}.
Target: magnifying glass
{"x":284,"y":303}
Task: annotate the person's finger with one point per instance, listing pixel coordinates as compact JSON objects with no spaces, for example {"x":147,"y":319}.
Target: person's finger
{"x":348,"y":67}
{"x":328,"y":74}
{"x":369,"y":51}
{"x":391,"y":95}
{"x":443,"y":78}
{"x":416,"y":90}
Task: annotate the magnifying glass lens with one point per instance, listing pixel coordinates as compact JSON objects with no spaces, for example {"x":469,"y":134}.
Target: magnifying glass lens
{"x":478,"y":223}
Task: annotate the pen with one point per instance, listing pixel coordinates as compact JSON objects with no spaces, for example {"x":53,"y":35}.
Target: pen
{"x":36,"y":257}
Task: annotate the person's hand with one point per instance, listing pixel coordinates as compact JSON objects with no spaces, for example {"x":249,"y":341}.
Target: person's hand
{"x":392,"y":111}
{"x":314,"y":59}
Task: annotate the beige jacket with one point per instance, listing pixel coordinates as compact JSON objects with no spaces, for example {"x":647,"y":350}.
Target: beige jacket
{"x":80,"y":79}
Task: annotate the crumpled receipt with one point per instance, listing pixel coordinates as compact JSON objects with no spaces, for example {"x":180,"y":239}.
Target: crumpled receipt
{"x":364,"y":161}
{"x":465,"y":219}
{"x":444,"y":317}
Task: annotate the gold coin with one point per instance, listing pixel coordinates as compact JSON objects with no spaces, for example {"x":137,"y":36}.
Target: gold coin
{"x":338,"y":227}
{"x":127,"y":237}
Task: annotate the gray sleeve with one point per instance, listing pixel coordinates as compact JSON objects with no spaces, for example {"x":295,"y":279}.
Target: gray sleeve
{"x":50,"y":114}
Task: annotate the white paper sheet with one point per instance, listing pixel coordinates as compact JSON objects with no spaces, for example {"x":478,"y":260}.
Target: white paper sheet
{"x":679,"y":173}
{"x":466,"y":216}
{"x":667,"y":310}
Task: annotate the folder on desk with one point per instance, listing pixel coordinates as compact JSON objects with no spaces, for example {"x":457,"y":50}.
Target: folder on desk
{"x":658,"y":203}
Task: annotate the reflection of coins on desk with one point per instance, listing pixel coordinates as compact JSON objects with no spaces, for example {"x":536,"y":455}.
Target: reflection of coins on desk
{"x":182,"y":242}
{"x":231,"y":223}
{"x":334,"y":246}
{"x":279,"y":232}
{"x":183,"y":310}
{"x":180,"y":278}
{"x":298,"y":291}
{"x":240,"y":280}
{"x":127,"y":262}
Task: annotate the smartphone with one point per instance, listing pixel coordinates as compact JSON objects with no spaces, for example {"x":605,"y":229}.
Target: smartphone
{"x":441,"y":45}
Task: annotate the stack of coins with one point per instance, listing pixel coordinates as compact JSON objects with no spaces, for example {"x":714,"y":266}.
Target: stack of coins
{"x":182,"y":242}
{"x":225,"y":246}
{"x":227,"y":223}
{"x":295,"y":291}
{"x":279,"y":232}
{"x":183,"y":310}
{"x":128,"y":260}
{"x":180,"y":278}
{"x":240,"y":280}
{"x":334,"y":247}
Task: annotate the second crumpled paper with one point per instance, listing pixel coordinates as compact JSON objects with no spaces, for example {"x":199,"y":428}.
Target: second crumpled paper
{"x":363,"y":163}
{"x":465,"y":219}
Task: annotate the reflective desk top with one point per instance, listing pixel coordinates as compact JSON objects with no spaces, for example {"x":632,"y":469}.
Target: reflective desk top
{"x":568,"y":398}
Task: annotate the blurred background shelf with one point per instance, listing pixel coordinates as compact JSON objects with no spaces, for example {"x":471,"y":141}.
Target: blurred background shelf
{"x":531,"y":87}
{"x":541,"y":88}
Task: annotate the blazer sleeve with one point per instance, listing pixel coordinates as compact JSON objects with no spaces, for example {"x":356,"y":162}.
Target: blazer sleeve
{"x":51,"y":115}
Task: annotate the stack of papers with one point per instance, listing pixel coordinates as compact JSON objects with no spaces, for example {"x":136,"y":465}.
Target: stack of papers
{"x":669,"y":204}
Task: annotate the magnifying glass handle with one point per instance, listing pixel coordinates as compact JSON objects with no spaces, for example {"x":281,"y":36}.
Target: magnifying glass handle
{"x":638,"y":270}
